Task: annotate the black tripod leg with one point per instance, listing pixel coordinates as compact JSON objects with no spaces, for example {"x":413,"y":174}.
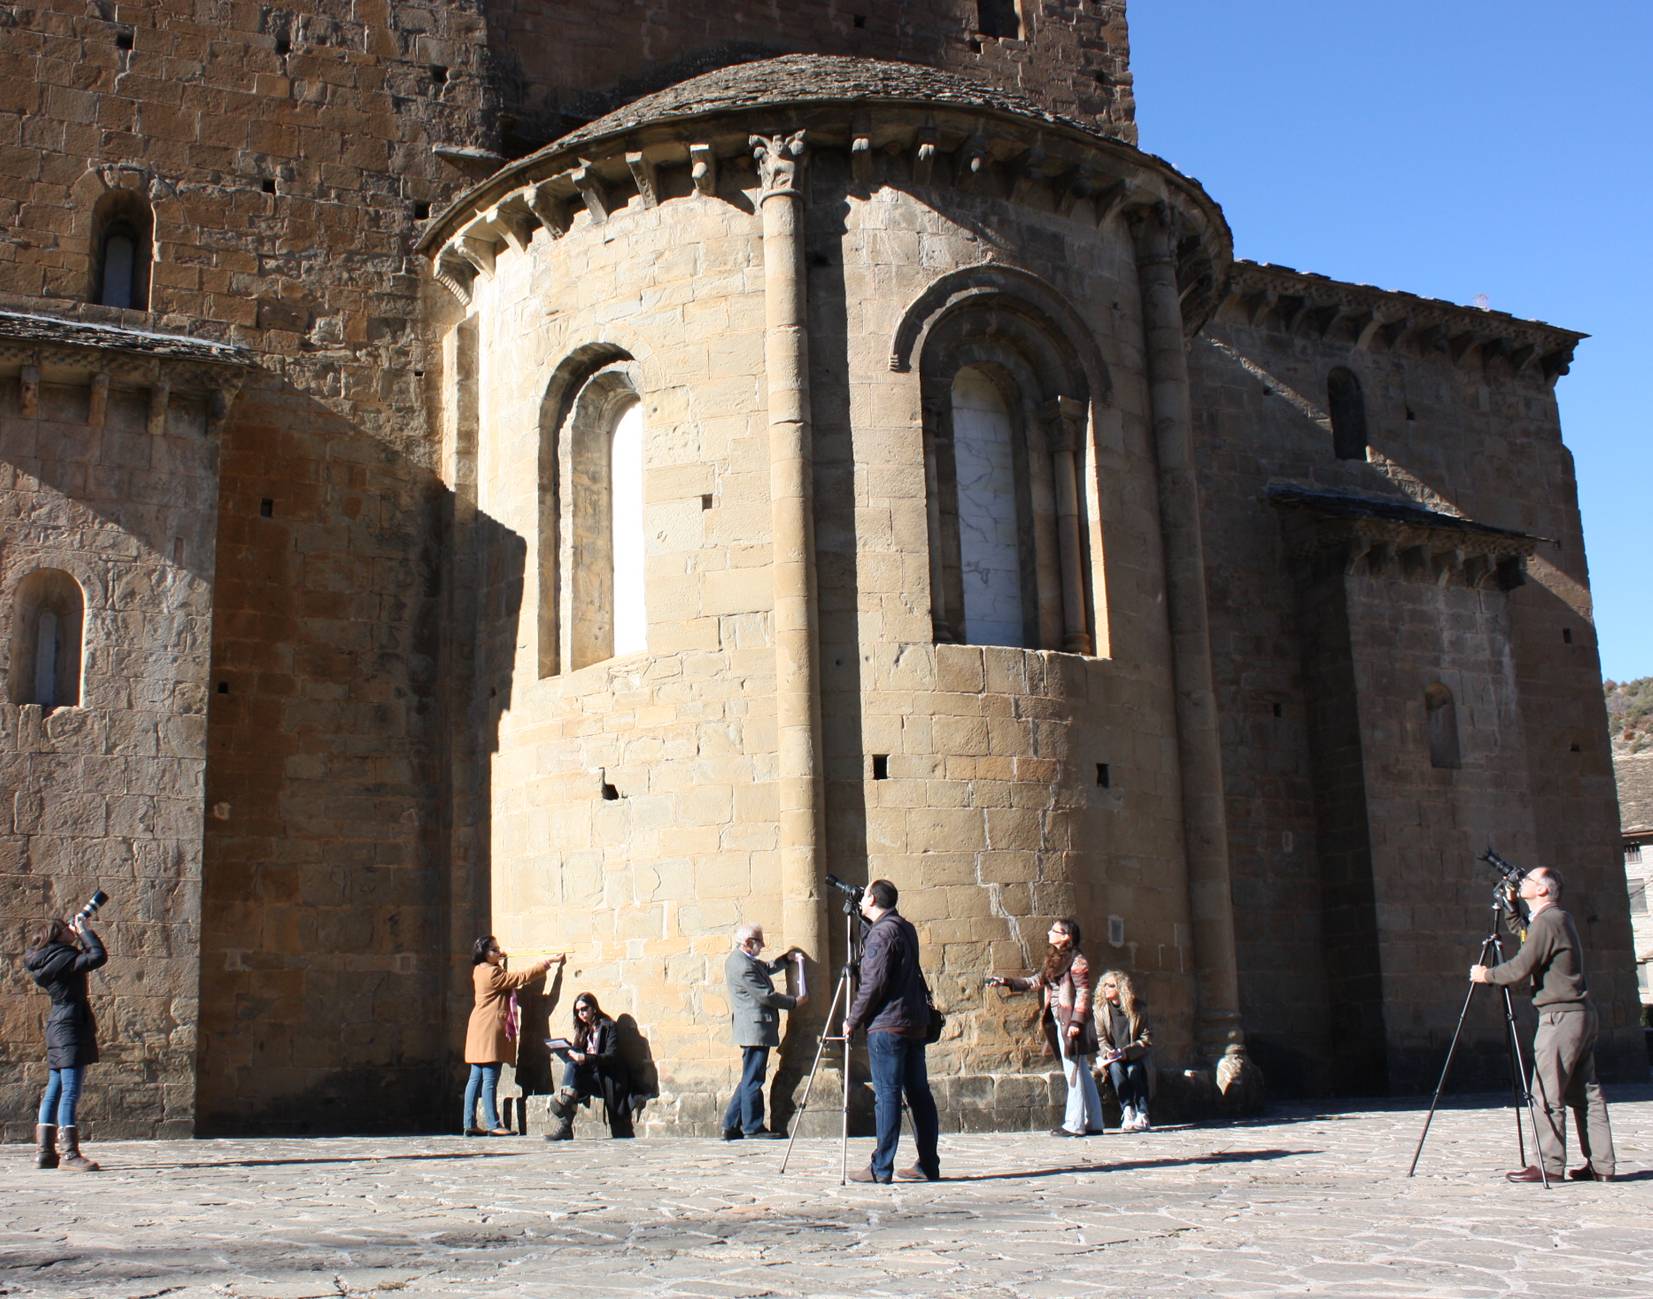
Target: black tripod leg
{"x":1451,"y":1051}
{"x":820,"y":1049}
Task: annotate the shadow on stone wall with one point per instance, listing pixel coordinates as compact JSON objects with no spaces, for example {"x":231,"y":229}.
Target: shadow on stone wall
{"x":335,"y":874}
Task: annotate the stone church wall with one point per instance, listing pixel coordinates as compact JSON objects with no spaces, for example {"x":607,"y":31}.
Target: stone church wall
{"x":560,"y":64}
{"x":1323,"y":681}
{"x":105,"y":791}
{"x":287,"y":156}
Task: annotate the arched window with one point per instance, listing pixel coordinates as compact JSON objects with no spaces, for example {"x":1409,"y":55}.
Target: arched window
{"x":989,"y":523}
{"x":1009,"y":460}
{"x":631,"y":615}
{"x":49,"y":614}
{"x":1443,"y":726}
{"x":593,"y":604}
{"x":1348,"y":414}
{"x":123,"y":237}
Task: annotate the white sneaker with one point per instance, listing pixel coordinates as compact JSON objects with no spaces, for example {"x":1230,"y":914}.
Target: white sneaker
{"x":1142,"y":1124}
{"x":1127,"y":1119}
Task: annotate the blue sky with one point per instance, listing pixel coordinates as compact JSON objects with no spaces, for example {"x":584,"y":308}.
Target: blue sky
{"x":1450,"y":149}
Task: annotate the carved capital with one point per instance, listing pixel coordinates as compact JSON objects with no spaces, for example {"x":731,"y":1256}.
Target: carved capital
{"x":780,"y":163}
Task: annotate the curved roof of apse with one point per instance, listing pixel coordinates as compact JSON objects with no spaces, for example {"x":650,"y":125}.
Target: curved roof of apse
{"x":801,"y":80}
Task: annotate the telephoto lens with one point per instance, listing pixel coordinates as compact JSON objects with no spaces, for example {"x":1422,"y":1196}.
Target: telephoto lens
{"x":850,"y":891}
{"x":98,"y":898}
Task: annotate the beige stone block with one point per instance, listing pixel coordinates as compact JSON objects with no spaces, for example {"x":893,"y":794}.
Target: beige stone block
{"x":690,"y":634}
{"x":940,"y":829}
{"x":959,"y":668}
{"x":738,"y":590}
{"x":964,"y":736}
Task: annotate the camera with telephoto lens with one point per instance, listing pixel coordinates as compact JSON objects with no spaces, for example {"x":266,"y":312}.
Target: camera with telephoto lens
{"x":851,"y":891}
{"x":1508,"y":871}
{"x":98,"y":898}
{"x":1506,"y":894}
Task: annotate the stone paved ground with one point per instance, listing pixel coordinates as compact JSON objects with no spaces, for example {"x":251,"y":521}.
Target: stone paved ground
{"x":1305,"y":1202}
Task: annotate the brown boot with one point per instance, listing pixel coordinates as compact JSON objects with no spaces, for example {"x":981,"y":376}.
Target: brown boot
{"x":72,"y":1158}
{"x":45,"y":1141}
{"x":563,"y":1130}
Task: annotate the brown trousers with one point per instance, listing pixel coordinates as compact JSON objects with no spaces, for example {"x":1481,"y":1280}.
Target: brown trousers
{"x":1564,"y":1077}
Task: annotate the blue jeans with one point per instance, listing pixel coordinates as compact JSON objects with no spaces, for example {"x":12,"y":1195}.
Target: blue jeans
{"x":1130,"y":1083}
{"x":62,"y":1095}
{"x":897,"y":1069}
{"x":484,"y":1077}
{"x":745,"y":1109}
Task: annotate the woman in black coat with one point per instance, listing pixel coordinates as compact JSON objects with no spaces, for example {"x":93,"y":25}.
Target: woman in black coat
{"x":59,"y":959}
{"x":593,"y":1068}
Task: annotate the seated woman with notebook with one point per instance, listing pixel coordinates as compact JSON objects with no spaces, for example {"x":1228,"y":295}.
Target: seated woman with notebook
{"x":592,"y":1067}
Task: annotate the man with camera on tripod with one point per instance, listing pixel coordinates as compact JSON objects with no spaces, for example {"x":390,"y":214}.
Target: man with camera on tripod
{"x":894,"y":1007}
{"x":1564,"y":1061}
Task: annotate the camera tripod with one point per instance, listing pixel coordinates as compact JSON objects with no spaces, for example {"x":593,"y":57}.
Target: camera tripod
{"x":1492,"y":953}
{"x":841,"y":997}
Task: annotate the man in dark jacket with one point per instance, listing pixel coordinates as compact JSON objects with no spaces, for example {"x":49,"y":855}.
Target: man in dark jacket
{"x":894,"y":1008}
{"x":59,"y":960}
{"x":1564,"y":1048}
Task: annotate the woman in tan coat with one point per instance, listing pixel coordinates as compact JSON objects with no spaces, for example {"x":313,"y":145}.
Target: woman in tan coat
{"x":490,"y":1038}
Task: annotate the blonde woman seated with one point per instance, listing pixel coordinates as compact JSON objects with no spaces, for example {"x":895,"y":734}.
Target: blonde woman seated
{"x":1125,"y":1040}
{"x":1064,"y":987}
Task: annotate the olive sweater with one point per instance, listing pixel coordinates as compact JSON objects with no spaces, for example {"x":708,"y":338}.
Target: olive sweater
{"x":1552,"y":957}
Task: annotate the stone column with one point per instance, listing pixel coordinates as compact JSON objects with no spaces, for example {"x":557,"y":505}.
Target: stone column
{"x":791,"y":472}
{"x":1065,"y":423}
{"x":1219,"y":1036}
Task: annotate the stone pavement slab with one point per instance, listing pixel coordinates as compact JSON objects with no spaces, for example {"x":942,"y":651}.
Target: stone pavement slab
{"x":1304,"y":1202}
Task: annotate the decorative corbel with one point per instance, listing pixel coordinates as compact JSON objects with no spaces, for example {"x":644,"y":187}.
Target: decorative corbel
{"x":97,"y":400}
{"x":511,"y":218}
{"x":550,"y":209}
{"x":28,"y":391}
{"x":1071,"y":186}
{"x":592,"y":190}
{"x":160,"y":395}
{"x":1030,"y":173}
{"x":924,"y":154}
{"x":1112,"y":199}
{"x":646,"y":176}
{"x":860,"y":159}
{"x":477,"y":251}
{"x":972,"y":163}
{"x":703,"y":169}
{"x":455,"y":275}
{"x":219,"y":401}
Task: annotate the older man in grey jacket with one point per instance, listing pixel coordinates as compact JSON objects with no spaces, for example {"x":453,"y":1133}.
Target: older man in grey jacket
{"x":755,"y":1015}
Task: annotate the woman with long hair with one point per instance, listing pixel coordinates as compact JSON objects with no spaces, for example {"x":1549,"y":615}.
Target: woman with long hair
{"x":1125,"y":1038}
{"x":1064,"y":986}
{"x":491,"y":1037}
{"x":592,"y":1067}
{"x":59,"y":958}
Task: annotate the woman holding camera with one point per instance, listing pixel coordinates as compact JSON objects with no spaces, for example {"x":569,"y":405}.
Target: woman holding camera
{"x":491,"y":1036}
{"x":1064,"y":987}
{"x":593,"y":1067}
{"x":59,"y":958}
{"x":1125,"y":1040}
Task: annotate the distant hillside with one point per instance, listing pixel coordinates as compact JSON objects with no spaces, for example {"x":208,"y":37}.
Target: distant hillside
{"x":1630,"y":714}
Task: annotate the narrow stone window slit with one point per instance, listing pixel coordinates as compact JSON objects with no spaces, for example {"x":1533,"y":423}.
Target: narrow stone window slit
{"x":880,"y":766}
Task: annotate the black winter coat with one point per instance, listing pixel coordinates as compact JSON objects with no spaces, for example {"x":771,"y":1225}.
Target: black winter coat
{"x":891,"y":997}
{"x":71,"y":1030}
{"x":606,"y":1074}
